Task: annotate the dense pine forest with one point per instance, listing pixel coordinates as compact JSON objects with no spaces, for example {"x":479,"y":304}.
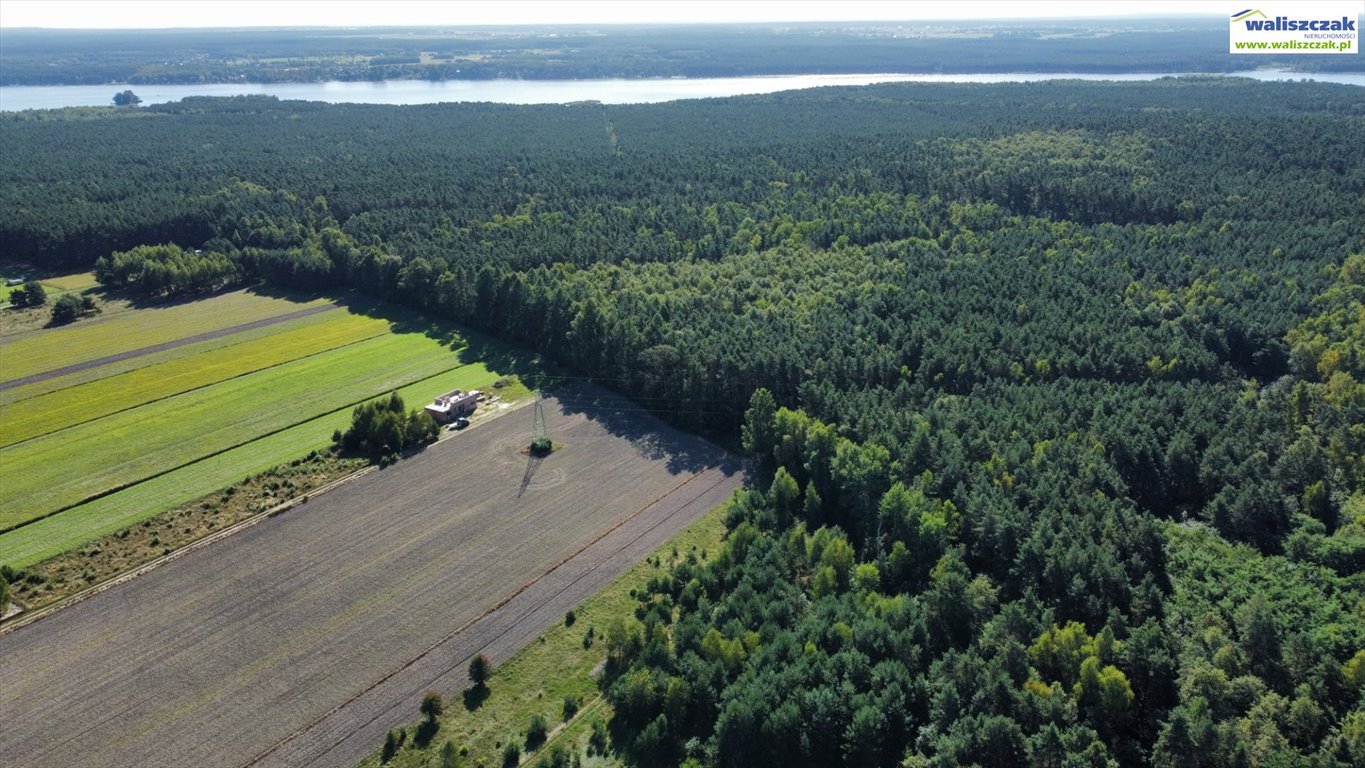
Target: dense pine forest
{"x":1055,"y":390}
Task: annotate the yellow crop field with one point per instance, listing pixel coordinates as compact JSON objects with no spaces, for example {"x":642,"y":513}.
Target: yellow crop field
{"x":36,"y":352}
{"x":58,"y":410}
{"x":43,"y":386}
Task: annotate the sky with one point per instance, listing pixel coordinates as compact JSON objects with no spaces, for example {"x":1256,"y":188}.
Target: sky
{"x":148,"y":14}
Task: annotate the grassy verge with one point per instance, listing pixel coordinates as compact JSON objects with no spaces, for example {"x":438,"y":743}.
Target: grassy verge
{"x":538,"y":679}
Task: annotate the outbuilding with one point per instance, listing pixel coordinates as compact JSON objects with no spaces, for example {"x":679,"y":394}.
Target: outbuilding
{"x":452,"y":405}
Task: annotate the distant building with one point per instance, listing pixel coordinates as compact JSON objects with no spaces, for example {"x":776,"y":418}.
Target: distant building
{"x":15,"y":281}
{"x":453,"y":405}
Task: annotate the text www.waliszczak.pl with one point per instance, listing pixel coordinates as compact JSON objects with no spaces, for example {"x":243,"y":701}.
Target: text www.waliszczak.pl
{"x":1295,"y":45}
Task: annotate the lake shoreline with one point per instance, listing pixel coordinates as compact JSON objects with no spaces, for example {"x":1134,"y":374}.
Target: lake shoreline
{"x":607,"y":91}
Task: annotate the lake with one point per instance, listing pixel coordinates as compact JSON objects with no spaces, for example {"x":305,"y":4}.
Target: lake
{"x":13,"y":98}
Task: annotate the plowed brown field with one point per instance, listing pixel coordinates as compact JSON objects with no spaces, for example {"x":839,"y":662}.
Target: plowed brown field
{"x":301,"y":640}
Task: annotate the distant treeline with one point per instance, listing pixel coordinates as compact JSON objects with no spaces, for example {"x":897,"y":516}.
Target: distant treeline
{"x":49,"y":57}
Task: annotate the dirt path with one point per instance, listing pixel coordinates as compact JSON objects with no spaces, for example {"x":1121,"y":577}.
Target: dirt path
{"x":303,"y":639}
{"x":52,"y":374}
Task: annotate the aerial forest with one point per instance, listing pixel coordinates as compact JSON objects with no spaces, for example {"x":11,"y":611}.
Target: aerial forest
{"x":1054,"y":393}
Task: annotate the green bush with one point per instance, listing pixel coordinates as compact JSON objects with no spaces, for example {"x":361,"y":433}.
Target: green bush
{"x":380,"y":429}
{"x":537,"y":732}
{"x":30,"y":294}
{"x":571,"y":705}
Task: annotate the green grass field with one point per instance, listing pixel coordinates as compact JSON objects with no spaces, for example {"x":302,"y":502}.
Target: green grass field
{"x":72,"y":528}
{"x":63,"y":468}
{"x":77,"y":282}
{"x":48,"y":349}
{"x":92,"y":400}
{"x":84,"y":376}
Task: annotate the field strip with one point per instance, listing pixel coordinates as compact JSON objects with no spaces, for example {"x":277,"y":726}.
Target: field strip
{"x":47,"y":386}
{"x":165,"y":345}
{"x":58,"y":471}
{"x":394,"y":704}
{"x":66,"y":530}
{"x":42,"y":349}
{"x":64,"y":408}
{"x":4,"y":453}
{"x":28,"y":617}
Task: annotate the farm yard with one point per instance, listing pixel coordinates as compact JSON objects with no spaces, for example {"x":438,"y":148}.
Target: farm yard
{"x":356,"y":600}
{"x":99,"y":448}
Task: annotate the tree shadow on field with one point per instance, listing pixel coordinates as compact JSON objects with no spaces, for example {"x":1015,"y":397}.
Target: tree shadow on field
{"x":473,"y":346}
{"x":425,"y":732}
{"x":655,"y":440}
{"x":474,"y":696}
{"x":572,"y":394}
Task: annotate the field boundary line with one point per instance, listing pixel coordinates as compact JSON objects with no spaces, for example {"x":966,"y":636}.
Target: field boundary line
{"x":206,"y":457}
{"x":471,"y":622}
{"x":156,"y":400}
{"x":29,"y":617}
{"x":162,"y":347}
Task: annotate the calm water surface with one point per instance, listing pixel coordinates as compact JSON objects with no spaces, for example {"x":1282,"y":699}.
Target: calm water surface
{"x":544,"y":91}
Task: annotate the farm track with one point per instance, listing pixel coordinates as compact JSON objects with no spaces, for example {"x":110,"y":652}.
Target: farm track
{"x":206,"y":336}
{"x":302,"y":639}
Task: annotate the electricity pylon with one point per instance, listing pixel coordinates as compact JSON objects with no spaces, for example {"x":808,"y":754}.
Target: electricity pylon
{"x":538,"y":431}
